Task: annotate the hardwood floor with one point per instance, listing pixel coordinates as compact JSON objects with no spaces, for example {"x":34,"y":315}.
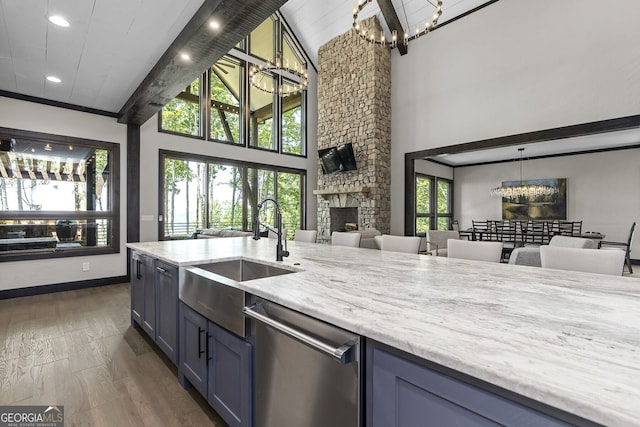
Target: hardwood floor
{"x":77,"y":349}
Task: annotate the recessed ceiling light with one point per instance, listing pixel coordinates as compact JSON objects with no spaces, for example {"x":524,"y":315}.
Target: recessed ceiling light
{"x":185,"y":56}
{"x":59,"y":21}
{"x":53,"y":79}
{"x":214,"y":24}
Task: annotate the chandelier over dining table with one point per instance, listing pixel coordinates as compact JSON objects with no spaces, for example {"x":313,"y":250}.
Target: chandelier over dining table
{"x":381,"y":38}
{"x":523,"y":190}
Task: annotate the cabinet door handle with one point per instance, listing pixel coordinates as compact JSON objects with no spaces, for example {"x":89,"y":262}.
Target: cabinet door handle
{"x":161,"y":270}
{"x":138,"y":274}
{"x":208,"y":337}
{"x":200,"y":350}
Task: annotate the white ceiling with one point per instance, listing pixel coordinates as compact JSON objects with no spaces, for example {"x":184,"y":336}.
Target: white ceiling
{"x":101,"y":58}
{"x":601,"y":141}
{"x":111,"y":45}
{"x":315,"y":22}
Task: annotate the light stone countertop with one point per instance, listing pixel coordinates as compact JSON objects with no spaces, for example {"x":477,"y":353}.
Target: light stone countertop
{"x":570,"y":340}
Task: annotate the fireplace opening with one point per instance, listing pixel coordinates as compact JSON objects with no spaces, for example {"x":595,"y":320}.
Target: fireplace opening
{"x":342,"y":216}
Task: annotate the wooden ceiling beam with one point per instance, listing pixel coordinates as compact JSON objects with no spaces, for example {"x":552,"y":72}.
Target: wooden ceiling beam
{"x":205,"y":46}
{"x":393,"y":22}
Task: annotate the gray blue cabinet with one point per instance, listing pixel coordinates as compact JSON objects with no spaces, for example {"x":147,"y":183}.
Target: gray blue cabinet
{"x":154,"y":301}
{"x":143,"y":294}
{"x":166,"y":287}
{"x":137,"y":289}
{"x":219,"y":365}
{"x":405,"y":393}
{"x":230,"y":376}
{"x":192,"y":369}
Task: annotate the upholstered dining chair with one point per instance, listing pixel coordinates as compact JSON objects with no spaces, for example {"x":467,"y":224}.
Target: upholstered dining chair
{"x":345,"y":238}
{"x":305,"y":236}
{"x":408,"y":244}
{"x":624,"y":246}
{"x":579,"y":259}
{"x":437,"y":241}
{"x":530,"y":255}
{"x":273,"y":235}
{"x":474,"y":250}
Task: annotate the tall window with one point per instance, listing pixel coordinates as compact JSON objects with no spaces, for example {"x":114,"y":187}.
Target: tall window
{"x":226,"y":78}
{"x":289,"y":198}
{"x":225,"y":196}
{"x":423,"y":203}
{"x":444,"y":204}
{"x":292,"y":126}
{"x":184,"y":193}
{"x":261,"y":40}
{"x":234,"y":111}
{"x":434,"y":204}
{"x":216,"y":193}
{"x":182,"y":113}
{"x":261,"y":124}
{"x":57,"y":196}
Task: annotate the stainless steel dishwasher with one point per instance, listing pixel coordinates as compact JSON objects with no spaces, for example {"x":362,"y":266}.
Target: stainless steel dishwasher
{"x":307,"y":372}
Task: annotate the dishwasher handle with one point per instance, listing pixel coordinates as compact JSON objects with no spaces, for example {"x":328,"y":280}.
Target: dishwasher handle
{"x":343,"y":354}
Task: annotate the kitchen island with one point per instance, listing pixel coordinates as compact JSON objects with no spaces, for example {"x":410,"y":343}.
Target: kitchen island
{"x":568,"y":340}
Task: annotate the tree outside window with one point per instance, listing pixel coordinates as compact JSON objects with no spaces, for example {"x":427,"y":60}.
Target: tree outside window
{"x":434,"y":209}
{"x":254,"y":118}
{"x":226,"y":196}
{"x":182,"y":113}
{"x":226,"y":78}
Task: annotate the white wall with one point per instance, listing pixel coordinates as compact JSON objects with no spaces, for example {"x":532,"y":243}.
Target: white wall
{"x":602,"y":190}
{"x":434,"y":169}
{"x":41,"y":118}
{"x":515,"y":66}
{"x":151,"y":141}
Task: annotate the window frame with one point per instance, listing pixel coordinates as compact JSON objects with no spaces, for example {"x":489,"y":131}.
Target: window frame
{"x":433,"y":215}
{"x":281,"y":32}
{"x":203,"y":112}
{"x":113,"y":214}
{"x":244,"y":166}
{"x":243,"y":104}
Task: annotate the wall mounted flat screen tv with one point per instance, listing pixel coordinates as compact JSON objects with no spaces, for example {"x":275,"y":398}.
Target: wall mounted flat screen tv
{"x":337,"y":159}
{"x":347,"y":159}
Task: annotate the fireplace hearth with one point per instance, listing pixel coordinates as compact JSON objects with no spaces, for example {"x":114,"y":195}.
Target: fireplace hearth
{"x":341,"y":216}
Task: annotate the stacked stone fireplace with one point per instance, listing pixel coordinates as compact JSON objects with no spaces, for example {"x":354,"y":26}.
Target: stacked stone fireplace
{"x":354,"y":106}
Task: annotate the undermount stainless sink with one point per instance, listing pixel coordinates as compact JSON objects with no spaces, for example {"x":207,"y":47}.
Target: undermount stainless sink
{"x":209,"y":289}
{"x":242,"y":270}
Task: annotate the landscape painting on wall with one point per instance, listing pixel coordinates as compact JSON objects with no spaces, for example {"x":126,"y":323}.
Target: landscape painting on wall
{"x":552,"y":206}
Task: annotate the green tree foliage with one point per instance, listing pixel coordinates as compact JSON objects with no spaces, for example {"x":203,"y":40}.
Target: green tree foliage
{"x":182,"y":114}
{"x":290,"y":200}
{"x":292,"y":131}
{"x":225,"y":123}
{"x":175,"y":171}
{"x":424,"y":197}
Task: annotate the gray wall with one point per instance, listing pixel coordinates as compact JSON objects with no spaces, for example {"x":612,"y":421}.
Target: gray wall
{"x":515,"y":66}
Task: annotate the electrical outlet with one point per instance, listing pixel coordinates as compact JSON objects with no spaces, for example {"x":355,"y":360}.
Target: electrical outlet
{"x":85,"y":266}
